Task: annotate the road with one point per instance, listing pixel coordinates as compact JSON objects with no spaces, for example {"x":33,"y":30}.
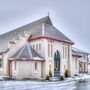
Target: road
{"x":34,"y":85}
{"x":83,"y":85}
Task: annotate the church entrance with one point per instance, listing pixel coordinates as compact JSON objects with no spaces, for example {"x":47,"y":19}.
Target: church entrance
{"x":56,"y":63}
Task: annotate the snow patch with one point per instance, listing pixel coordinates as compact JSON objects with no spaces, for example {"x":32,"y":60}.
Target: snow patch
{"x":82,"y":77}
{"x":37,"y":58}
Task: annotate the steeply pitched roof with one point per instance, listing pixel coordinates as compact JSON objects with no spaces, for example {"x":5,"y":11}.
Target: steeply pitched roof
{"x":26,"y":52}
{"x":36,"y":30}
{"x":54,"y":33}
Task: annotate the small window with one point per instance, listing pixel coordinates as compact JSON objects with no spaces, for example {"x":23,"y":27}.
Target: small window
{"x":76,"y":63}
{"x":15,"y":66}
{"x":51,"y":51}
{"x":33,"y":46}
{"x":36,"y":46}
{"x":48,"y":50}
{"x":63,"y":52}
{"x":1,"y":62}
{"x":35,"y":66}
{"x":39,"y":46}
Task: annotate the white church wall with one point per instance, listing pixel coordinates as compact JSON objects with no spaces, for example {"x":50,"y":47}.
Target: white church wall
{"x":26,"y":69}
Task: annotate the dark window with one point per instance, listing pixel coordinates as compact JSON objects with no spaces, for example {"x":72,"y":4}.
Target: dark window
{"x":36,"y":46}
{"x":51,"y":51}
{"x":39,"y":46}
{"x":35,"y":65}
{"x":1,"y":62}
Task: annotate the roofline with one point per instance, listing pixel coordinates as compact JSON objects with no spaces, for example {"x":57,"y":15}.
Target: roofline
{"x":84,"y":62}
{"x":45,"y":37}
{"x":80,"y":51}
{"x":1,"y":53}
{"x":25,"y":59}
{"x":4,"y":52}
{"x":77,"y":56}
{"x":25,"y":25}
{"x":84,"y":53}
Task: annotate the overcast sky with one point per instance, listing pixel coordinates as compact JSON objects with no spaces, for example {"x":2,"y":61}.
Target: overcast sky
{"x":72,"y":17}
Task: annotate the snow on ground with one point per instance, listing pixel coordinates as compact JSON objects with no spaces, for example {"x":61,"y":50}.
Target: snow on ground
{"x":1,"y":78}
{"x":67,"y":84}
{"x":81,"y":77}
{"x":34,"y":85}
{"x":86,"y":76}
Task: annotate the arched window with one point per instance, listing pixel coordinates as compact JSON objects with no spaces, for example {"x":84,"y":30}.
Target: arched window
{"x":35,"y":66}
{"x":36,"y":46}
{"x":56,"y":56}
{"x":15,"y":66}
{"x":39,"y":46}
{"x":56,"y":61}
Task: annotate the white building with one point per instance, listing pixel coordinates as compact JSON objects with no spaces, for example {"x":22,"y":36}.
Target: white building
{"x":88,"y":68}
{"x":80,"y":61}
{"x":33,"y":50}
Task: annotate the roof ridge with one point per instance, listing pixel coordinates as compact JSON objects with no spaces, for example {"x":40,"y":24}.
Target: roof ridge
{"x":46,"y":17}
{"x":29,"y":50}
{"x":23,"y":47}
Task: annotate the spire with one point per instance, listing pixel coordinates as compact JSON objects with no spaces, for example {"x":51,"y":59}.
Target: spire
{"x":48,"y":13}
{"x":47,"y":19}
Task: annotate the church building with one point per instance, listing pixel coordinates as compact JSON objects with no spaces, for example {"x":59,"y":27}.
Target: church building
{"x":34,"y":50}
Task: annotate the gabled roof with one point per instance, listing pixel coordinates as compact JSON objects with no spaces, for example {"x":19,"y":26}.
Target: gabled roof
{"x":79,"y":51}
{"x":26,"y":52}
{"x":36,"y":29}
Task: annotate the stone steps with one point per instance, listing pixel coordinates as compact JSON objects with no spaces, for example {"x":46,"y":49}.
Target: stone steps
{"x":54,"y":78}
{"x":56,"y":73}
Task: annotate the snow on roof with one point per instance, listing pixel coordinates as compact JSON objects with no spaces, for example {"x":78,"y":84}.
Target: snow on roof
{"x":79,"y":51}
